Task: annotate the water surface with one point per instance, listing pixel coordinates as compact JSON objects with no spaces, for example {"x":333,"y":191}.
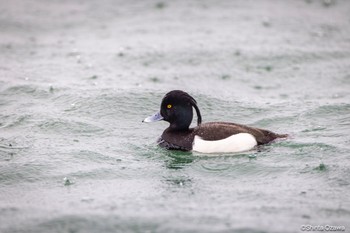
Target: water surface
{"x":78,"y":77}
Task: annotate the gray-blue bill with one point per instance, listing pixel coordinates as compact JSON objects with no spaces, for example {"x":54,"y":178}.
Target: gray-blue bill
{"x":153,"y":118}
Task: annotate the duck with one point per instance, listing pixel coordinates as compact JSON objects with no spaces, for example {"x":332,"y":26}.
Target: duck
{"x":212,"y":137}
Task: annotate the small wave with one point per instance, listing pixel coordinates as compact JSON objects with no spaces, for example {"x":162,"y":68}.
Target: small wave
{"x":69,"y":127}
{"x":333,"y":110}
{"x":17,"y":173}
{"x":93,"y":156}
{"x":26,"y":90}
{"x":13,"y":121}
{"x":297,"y":145}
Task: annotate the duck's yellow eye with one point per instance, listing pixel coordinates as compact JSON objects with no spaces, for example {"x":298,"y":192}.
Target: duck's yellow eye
{"x":169,"y":106}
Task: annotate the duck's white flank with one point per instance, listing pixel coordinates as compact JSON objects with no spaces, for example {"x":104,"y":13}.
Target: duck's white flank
{"x":235,"y":143}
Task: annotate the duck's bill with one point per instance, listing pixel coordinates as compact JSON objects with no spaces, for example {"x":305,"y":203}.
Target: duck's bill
{"x":153,"y":118}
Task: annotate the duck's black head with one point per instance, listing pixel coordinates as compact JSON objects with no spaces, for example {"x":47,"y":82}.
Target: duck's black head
{"x":176,"y":108}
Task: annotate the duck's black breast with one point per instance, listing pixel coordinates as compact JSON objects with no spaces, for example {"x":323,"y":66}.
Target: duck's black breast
{"x":177,"y":139}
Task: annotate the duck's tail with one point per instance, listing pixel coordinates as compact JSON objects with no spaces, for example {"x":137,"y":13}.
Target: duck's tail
{"x":282,"y":135}
{"x":269,"y":136}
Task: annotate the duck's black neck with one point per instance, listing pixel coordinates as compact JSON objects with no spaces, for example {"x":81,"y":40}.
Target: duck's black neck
{"x":178,"y":127}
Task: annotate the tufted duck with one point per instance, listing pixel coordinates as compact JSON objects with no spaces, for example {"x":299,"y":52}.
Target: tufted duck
{"x":212,"y":137}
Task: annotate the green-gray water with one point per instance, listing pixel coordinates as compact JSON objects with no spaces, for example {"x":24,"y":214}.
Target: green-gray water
{"x":78,"y":77}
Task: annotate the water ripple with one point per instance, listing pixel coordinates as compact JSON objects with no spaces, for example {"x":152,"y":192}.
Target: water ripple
{"x":69,"y":126}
